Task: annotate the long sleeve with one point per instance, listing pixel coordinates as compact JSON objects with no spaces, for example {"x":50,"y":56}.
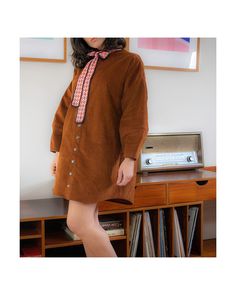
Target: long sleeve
{"x":59,"y":117}
{"x":134,"y":118}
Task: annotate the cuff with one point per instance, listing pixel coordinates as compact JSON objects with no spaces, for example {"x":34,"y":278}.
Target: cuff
{"x":55,"y":142}
{"x":131,"y":151}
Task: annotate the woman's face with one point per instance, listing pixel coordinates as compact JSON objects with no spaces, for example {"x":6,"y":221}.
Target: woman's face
{"x":95,"y":42}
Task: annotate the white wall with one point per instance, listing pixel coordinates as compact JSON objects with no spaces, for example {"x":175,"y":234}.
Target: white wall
{"x":186,"y":101}
{"x":178,"y":101}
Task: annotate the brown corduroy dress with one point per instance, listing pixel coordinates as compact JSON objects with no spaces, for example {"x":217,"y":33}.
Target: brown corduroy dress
{"x":115,"y":127}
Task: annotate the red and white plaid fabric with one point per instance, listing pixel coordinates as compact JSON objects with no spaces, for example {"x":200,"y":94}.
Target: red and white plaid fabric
{"x":82,"y":87}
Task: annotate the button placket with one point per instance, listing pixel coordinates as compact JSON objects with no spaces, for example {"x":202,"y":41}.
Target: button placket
{"x":74,"y":149}
{"x":70,"y":173}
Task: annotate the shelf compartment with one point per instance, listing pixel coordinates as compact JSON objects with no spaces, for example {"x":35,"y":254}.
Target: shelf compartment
{"x":197,"y":242}
{"x":119,"y":247}
{"x":59,"y":239}
{"x":55,"y":237}
{"x":153,"y":213}
{"x":31,"y":248}
{"x":136,"y":243}
{"x":79,"y":251}
{"x":114,"y":218}
{"x":30,"y":230}
{"x":182,"y":214}
{"x":68,"y":251}
{"x":166,"y":232}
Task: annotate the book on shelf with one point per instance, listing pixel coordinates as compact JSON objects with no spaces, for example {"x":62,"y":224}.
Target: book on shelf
{"x":111,"y":224}
{"x":149,"y":250}
{"x":112,"y":228}
{"x":135,"y":222}
{"x":192,"y":218}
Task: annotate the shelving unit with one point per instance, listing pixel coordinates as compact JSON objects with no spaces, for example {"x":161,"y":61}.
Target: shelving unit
{"x":47,"y":237}
{"x":41,"y":232}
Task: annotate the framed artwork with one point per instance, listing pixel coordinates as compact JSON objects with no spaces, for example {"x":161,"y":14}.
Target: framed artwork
{"x":175,"y":54}
{"x":43,"y":49}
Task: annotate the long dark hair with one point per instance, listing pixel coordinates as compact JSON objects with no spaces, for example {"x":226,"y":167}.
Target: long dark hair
{"x":80,"y":48}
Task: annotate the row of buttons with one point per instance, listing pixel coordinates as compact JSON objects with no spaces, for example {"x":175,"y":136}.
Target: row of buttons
{"x":75,"y":149}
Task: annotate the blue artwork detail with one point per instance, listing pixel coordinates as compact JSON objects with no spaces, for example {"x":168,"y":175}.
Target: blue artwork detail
{"x":186,"y":39}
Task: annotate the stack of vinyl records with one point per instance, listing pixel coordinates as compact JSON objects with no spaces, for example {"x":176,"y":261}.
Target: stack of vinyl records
{"x":135,"y":222}
{"x":178,"y":239}
{"x":163,"y":235}
{"x":192,"y":218}
{"x":149,"y":250}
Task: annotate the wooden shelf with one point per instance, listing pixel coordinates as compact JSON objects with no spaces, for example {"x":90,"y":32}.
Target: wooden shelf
{"x":30,"y":230}
{"x":30,"y":236}
{"x":61,"y":239}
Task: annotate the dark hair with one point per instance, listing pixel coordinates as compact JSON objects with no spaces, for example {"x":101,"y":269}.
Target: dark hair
{"x":80,"y":48}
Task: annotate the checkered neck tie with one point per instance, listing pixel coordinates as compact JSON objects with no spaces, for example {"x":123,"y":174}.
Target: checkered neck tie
{"x":82,"y":88}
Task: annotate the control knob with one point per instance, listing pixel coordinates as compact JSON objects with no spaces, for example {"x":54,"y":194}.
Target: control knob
{"x":148,"y":161}
{"x":190,"y":159}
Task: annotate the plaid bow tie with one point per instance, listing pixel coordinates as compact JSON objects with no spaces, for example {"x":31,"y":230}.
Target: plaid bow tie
{"x":82,"y":87}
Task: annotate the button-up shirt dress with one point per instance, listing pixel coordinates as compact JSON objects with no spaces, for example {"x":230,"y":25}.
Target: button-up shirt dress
{"x":115,"y":126}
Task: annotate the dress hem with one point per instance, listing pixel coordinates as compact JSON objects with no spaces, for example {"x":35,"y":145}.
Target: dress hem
{"x":110,"y":199}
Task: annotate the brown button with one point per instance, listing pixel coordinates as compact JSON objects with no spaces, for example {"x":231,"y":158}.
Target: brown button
{"x":70,"y":173}
{"x":77,"y":136}
{"x":68,"y":185}
{"x":75,"y":149}
{"x":72,"y":161}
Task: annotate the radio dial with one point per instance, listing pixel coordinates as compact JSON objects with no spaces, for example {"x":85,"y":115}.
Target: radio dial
{"x":149,"y":161}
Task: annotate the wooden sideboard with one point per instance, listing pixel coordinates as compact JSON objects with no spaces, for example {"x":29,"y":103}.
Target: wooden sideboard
{"x":180,"y":190}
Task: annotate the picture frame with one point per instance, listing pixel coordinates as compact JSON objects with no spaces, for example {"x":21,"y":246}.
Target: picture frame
{"x":173,"y":54}
{"x":43,"y":49}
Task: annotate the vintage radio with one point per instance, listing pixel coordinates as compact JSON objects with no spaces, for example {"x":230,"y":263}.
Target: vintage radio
{"x":171,"y":151}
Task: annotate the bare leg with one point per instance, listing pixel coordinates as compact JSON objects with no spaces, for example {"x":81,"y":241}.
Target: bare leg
{"x":83,"y":220}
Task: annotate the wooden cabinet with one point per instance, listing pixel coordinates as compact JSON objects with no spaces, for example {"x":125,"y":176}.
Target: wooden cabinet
{"x":41,"y":232}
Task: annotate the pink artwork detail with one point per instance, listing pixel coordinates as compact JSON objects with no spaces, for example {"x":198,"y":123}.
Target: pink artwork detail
{"x":168,"y":44}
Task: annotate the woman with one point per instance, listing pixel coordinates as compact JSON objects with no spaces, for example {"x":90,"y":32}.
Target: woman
{"x":98,"y":131}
